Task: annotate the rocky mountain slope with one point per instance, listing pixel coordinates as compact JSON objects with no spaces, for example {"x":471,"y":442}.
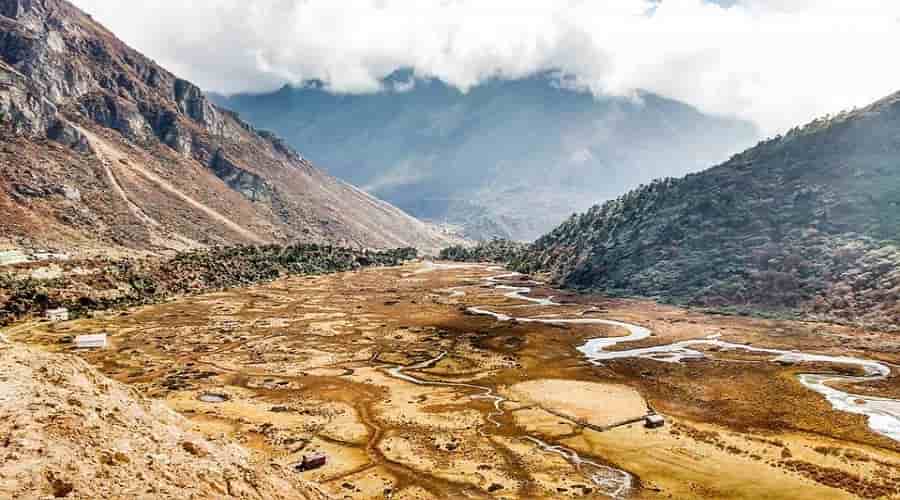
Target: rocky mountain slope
{"x":103,"y":148}
{"x":70,"y":432}
{"x":806,"y":222}
{"x":507,"y":159}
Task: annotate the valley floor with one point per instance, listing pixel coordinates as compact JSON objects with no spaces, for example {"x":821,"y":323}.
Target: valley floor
{"x":412,"y":395}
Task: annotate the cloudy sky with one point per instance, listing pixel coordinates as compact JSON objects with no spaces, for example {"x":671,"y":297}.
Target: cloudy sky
{"x":776,"y":62}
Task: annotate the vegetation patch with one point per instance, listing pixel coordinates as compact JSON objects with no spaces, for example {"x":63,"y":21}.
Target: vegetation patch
{"x":106,"y":283}
{"x":499,"y":251}
{"x":804,"y":224}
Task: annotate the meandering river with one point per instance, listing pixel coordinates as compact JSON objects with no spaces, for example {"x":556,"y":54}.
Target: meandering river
{"x":883,"y":413}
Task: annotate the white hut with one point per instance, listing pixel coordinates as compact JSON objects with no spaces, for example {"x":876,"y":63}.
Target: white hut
{"x":57,"y":315}
{"x":10,"y":257}
{"x":97,"y":341}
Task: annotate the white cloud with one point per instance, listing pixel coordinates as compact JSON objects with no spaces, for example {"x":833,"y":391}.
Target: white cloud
{"x":778,"y":63}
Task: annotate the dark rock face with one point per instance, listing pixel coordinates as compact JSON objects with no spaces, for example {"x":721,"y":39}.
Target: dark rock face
{"x":122,"y":90}
{"x":807,"y":222}
{"x":15,"y":8}
{"x":118,"y":114}
{"x":63,"y":133}
{"x":193,"y":103}
{"x":159,"y":165}
{"x":21,"y":108}
{"x":250,"y":185}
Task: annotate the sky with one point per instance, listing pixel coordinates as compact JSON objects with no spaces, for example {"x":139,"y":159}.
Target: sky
{"x":778,"y":63}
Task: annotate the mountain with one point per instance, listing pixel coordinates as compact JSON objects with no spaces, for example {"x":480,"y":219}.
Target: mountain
{"x":508,"y":158}
{"x":103,"y":148}
{"x":808,"y":222}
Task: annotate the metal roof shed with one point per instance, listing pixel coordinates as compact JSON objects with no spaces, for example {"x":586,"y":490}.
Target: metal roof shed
{"x":97,"y":341}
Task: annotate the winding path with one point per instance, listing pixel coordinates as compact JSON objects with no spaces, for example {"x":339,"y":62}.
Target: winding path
{"x":109,"y":155}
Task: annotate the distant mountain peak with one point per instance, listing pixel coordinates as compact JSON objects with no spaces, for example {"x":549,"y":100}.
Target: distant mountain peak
{"x":509,"y":158}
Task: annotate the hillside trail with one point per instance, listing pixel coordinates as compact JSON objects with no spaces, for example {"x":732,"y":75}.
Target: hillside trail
{"x":110,"y":155}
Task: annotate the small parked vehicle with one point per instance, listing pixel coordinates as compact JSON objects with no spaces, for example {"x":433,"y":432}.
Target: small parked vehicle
{"x":310,"y":462}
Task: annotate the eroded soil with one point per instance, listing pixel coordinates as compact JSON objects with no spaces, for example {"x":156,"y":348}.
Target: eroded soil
{"x":311,"y":364}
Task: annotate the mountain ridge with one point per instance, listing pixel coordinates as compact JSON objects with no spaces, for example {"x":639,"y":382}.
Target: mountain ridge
{"x":805,"y":222}
{"x":118,"y":152}
{"x":507,"y":158}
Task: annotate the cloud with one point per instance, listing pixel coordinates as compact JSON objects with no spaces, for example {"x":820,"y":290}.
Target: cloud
{"x":776,"y":62}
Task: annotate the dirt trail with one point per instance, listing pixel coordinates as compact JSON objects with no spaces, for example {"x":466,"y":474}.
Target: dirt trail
{"x":137,"y":211}
{"x":109,"y":155}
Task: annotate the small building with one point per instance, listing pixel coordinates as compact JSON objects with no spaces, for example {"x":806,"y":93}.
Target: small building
{"x":12,"y":257}
{"x":57,"y":315}
{"x":42,"y":256}
{"x":310,"y":462}
{"x":654,"y":421}
{"x":97,"y":341}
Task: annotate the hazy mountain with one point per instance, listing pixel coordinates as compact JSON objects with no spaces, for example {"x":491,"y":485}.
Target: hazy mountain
{"x":508,"y":158}
{"x":102,"y":148}
{"x":808,"y":221}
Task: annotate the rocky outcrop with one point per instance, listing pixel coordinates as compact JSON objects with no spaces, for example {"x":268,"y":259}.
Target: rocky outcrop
{"x":159,"y":165}
{"x":22,"y":109}
{"x":193,"y":103}
{"x":64,"y":133}
{"x":252,"y":186}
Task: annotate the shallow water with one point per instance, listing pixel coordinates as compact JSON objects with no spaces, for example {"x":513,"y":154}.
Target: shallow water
{"x":609,"y":480}
{"x":213,"y":398}
{"x":883,"y":413}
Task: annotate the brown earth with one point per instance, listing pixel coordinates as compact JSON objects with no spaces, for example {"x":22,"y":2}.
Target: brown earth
{"x":304,"y":364}
{"x":70,"y":432}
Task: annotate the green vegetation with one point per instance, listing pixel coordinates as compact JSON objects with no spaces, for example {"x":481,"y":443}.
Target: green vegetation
{"x":127,"y":282}
{"x":808,"y":223}
{"x":500,"y":251}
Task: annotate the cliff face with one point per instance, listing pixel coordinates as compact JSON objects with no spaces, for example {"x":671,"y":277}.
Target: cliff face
{"x":808,"y":222}
{"x":102,"y":147}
